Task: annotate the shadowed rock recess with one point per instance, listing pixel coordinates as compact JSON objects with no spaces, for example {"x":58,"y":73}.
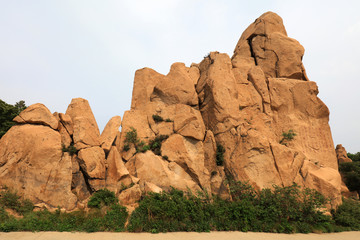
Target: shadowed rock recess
{"x":253,"y":117}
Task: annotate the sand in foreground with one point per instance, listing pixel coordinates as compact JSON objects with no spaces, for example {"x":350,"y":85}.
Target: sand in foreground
{"x":176,"y":236}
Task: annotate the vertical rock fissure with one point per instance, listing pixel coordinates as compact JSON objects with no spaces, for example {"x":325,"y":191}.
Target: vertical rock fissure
{"x":276,"y":166}
{"x":251,"y":49}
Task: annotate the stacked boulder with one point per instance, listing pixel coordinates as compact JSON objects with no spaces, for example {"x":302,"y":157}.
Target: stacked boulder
{"x":254,"y":117}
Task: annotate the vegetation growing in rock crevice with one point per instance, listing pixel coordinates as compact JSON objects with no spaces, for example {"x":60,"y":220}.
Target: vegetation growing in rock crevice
{"x":71,"y":149}
{"x":287,"y":137}
{"x":220,"y":150}
{"x":140,"y":146}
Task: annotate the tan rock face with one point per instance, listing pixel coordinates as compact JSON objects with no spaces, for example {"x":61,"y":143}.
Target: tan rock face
{"x":130,"y":195}
{"x":109,"y":134}
{"x":37,"y":114}
{"x":272,"y":50}
{"x":341,"y":154}
{"x":258,"y":105}
{"x":117,"y":174}
{"x":176,"y":87}
{"x":92,"y":162}
{"x":148,"y":165}
{"x":33,"y":164}
{"x":86,"y":131}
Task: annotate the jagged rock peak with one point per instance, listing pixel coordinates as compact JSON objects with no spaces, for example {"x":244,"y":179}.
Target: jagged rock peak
{"x":266,"y":43}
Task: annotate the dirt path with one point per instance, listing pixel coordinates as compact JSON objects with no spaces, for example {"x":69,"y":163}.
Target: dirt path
{"x":176,"y":236}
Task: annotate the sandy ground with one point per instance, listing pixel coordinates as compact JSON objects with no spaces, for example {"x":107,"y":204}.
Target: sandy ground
{"x":176,"y":236}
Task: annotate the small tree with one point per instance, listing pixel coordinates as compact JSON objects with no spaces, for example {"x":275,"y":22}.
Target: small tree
{"x":287,"y":137}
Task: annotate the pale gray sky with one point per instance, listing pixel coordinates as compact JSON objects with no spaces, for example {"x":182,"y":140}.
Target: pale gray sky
{"x":53,"y":51}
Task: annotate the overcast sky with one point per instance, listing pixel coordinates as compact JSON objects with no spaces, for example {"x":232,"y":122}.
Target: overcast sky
{"x":53,"y":51}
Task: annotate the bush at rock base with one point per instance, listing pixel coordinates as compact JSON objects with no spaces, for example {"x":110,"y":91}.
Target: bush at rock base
{"x":281,"y":210}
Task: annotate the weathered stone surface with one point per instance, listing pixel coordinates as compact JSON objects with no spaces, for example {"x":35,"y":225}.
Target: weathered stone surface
{"x":217,"y":92}
{"x":189,"y":154}
{"x":32,"y":163}
{"x":210,"y":152}
{"x":272,"y":50}
{"x":109,"y":133}
{"x":66,"y":140}
{"x":144,"y":83}
{"x":176,"y":87}
{"x":324,"y":179}
{"x":138,"y":120}
{"x":341,"y":154}
{"x":148,"y":165}
{"x":150,"y":187}
{"x":37,"y":114}
{"x":78,"y":183}
{"x":86,"y":131}
{"x":130,"y":195}
{"x":67,"y":122}
{"x":117,"y":174}
{"x":92,"y":162}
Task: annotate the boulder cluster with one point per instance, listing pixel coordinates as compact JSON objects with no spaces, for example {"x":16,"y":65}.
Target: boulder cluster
{"x":254,"y":117}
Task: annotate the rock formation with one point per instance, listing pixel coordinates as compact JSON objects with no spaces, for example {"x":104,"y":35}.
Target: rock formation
{"x":253,"y":117}
{"x":341,"y":154}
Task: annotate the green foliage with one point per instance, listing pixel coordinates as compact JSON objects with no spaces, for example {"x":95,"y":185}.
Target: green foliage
{"x":131,"y":136}
{"x":140,"y":146}
{"x":102,"y":197}
{"x":7,"y":113}
{"x":71,"y":149}
{"x":351,"y":173}
{"x":283,"y":210}
{"x":155,"y":144}
{"x":11,"y":200}
{"x":220,"y":150}
{"x":126,"y":147}
{"x":287,"y":137}
{"x":165,"y":157}
{"x":347,"y":215}
{"x":157,"y":118}
{"x":355,"y":157}
{"x":168,"y":120}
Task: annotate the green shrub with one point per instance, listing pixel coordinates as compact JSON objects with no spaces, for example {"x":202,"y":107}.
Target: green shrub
{"x":155,"y":144}
{"x":220,"y":150}
{"x":102,"y":197}
{"x":351,"y":173}
{"x":157,"y":118}
{"x":284,"y":210}
{"x":287,"y":136}
{"x":347,"y":215}
{"x":71,"y":149}
{"x":355,"y":157}
{"x":10,"y":199}
{"x":169,"y":120}
{"x":126,"y":147}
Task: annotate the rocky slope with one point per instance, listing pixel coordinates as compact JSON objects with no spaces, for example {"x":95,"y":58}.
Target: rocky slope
{"x":253,"y":117}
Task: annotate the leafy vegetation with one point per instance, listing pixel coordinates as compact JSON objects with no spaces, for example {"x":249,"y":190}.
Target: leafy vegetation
{"x":220,"y":150}
{"x":157,"y":118}
{"x":355,"y":157}
{"x":351,"y":173}
{"x":283,"y":210}
{"x":287,"y":137}
{"x":109,"y":217}
{"x":7,"y":113}
{"x":71,"y":149}
{"x":101,"y":198}
{"x":140,"y":146}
